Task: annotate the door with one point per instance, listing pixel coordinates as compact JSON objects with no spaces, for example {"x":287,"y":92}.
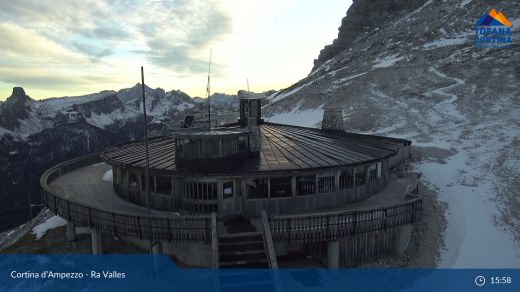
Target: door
{"x":228,"y":193}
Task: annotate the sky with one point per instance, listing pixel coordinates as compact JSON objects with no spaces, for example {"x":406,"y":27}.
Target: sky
{"x":58,"y":48}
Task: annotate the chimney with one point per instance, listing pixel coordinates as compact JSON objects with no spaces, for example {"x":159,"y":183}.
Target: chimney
{"x":333,"y":119}
{"x":251,"y":118}
{"x":250,"y":108}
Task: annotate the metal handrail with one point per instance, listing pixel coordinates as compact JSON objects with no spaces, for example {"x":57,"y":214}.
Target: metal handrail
{"x":273,"y":264}
{"x":157,"y":227}
{"x":332,"y":225}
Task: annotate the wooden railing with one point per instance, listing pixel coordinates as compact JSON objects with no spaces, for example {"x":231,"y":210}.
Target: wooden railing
{"x":328,"y":226}
{"x":268,"y":242}
{"x":156,"y":227}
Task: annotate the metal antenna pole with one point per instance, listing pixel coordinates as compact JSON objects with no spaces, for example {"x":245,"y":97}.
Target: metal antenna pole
{"x":147,"y":166}
{"x":247,"y":84}
{"x":30,"y":204}
{"x":208,"y":91}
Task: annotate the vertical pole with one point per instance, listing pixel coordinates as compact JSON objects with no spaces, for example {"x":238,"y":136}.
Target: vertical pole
{"x":208,"y":91}
{"x":147,"y":166}
{"x":30,"y":205}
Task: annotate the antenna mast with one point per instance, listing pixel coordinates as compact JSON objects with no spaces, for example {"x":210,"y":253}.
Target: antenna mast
{"x":147,"y":166}
{"x":208,"y":91}
{"x":247,"y":84}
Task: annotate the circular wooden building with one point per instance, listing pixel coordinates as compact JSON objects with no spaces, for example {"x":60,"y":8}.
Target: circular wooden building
{"x":281,"y":183}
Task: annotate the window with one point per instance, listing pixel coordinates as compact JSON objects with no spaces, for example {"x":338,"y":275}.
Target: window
{"x":133,"y":180}
{"x":200,"y":190}
{"x":306,"y":184}
{"x":164,"y":184}
{"x":360,"y":177}
{"x":151,"y":180}
{"x":281,"y":187}
{"x":229,"y":147}
{"x":257,"y":188}
{"x":210,"y":148}
{"x":346,"y":180}
{"x":242,"y":143}
{"x":212,"y":191}
{"x":227,"y":190}
{"x":372,"y":173}
{"x":326,"y":182}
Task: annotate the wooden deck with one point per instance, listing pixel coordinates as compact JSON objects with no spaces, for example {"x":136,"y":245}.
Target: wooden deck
{"x":76,"y":191}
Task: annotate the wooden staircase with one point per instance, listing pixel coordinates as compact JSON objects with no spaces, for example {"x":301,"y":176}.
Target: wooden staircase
{"x":242,"y":247}
{"x":243,"y":255}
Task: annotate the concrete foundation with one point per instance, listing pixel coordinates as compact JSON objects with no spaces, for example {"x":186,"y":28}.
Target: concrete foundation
{"x":97,"y":246}
{"x":156,"y":250}
{"x":71,"y":231}
{"x":333,"y":254}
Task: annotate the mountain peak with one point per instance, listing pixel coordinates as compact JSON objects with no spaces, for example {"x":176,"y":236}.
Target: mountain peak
{"x":14,"y":109}
{"x":18,"y":96}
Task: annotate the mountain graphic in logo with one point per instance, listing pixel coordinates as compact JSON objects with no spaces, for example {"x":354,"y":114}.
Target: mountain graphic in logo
{"x":493,"y":18}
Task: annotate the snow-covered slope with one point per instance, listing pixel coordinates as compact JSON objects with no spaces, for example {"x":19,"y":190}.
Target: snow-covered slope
{"x":415,"y":74}
{"x":22,"y":116}
{"x":37,"y":134}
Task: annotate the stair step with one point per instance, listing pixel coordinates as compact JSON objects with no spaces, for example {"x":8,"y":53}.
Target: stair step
{"x":241,"y":246}
{"x":252,"y":256}
{"x":244,"y":264}
{"x":251,"y":237}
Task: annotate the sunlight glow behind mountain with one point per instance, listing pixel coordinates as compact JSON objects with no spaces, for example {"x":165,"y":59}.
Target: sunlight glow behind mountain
{"x":57,"y":48}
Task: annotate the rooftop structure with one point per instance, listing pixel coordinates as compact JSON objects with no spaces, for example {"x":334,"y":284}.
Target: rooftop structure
{"x":281,"y":187}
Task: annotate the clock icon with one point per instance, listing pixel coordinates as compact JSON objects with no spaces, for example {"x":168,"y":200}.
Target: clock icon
{"x":480,"y":281}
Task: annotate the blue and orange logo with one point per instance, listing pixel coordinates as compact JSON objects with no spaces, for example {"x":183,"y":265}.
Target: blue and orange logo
{"x":493,"y":30}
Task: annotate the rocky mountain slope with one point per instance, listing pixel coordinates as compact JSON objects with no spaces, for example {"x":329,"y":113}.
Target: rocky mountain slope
{"x":37,"y":134}
{"x":410,"y":69}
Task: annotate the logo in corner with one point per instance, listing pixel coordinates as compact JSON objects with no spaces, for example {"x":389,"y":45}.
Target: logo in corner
{"x":493,"y":30}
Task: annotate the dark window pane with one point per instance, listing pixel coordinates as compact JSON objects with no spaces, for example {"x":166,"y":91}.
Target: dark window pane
{"x":306,"y":184}
{"x":281,"y":187}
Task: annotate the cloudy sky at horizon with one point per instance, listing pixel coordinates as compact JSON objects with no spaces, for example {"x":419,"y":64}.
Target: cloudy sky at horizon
{"x":59,"y":48}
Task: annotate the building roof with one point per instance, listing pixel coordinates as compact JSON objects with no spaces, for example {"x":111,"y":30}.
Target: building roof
{"x":204,"y":133}
{"x":284,"y":148}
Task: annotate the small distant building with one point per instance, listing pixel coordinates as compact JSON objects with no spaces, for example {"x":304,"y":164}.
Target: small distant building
{"x":246,"y":193}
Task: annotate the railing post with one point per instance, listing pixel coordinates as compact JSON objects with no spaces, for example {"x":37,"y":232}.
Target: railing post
{"x":269,"y":241}
{"x":214,"y":241}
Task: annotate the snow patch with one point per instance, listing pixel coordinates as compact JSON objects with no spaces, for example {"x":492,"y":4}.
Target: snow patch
{"x":421,"y":8}
{"x":343,"y":80}
{"x":49,"y":224}
{"x":387,"y":61}
{"x":306,"y":118}
{"x":108,"y":176}
{"x":444,"y":42}
{"x":464,"y":3}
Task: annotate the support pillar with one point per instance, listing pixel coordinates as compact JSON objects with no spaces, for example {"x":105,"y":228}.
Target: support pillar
{"x":97,"y":247}
{"x":337,"y":174}
{"x":71,"y":231}
{"x":333,"y":254}
{"x":156,"y":250}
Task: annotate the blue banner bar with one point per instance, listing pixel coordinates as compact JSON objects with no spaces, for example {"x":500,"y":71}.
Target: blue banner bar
{"x":146,"y":273}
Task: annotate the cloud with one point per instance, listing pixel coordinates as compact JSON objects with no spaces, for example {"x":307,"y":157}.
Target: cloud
{"x":173,"y":32}
{"x":21,"y":46}
{"x":173,"y":35}
{"x":91,"y":50}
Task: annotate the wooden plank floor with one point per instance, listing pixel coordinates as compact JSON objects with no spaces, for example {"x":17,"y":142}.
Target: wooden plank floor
{"x":87,"y":187}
